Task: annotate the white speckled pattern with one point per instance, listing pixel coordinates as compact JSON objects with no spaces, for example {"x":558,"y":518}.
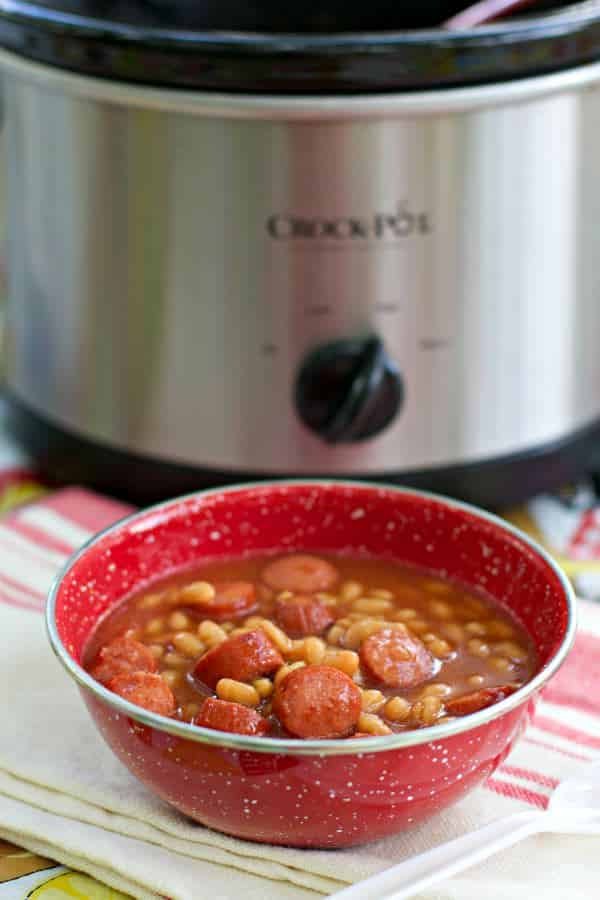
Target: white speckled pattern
{"x":312,"y":798}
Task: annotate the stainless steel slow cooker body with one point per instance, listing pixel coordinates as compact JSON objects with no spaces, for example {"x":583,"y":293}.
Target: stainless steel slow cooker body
{"x":191,"y":271}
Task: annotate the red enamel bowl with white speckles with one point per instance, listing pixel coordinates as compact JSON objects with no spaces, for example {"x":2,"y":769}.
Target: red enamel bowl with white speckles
{"x":329,"y":793}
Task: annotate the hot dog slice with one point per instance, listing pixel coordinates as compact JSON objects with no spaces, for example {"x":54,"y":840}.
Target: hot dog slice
{"x":230,"y":600}
{"x":300,"y":573}
{"x":317,"y":702}
{"x":301,"y":615}
{"x":233,"y":717}
{"x":470,"y":703}
{"x":242,"y":657}
{"x":145,"y":689}
{"x":395,"y":659}
{"x":121,"y":656}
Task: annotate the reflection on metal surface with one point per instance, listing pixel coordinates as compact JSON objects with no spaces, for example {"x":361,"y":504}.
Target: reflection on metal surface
{"x":154,"y":309}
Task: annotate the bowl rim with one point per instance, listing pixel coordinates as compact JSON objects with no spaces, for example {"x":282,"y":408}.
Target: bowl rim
{"x":312,"y":747}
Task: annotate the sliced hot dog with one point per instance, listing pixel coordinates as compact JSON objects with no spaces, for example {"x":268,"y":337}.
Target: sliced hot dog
{"x":231,"y":600}
{"x":301,"y":615}
{"x":470,"y":703}
{"x":317,"y":702}
{"x":225,"y":716}
{"x":242,"y":657}
{"x":145,"y":689}
{"x":300,"y":573}
{"x":121,"y":656}
{"x":395,"y":659}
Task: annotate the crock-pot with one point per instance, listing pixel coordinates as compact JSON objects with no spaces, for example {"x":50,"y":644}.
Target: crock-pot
{"x":253,"y":242}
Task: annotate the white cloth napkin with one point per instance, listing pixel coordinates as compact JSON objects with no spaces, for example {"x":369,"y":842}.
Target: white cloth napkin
{"x":63,"y":793}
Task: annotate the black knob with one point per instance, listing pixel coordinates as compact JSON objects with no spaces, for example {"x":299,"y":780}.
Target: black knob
{"x":348,"y":390}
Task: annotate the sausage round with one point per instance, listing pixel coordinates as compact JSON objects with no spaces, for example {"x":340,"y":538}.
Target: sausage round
{"x":302,"y":573}
{"x":122,"y":656}
{"x":302,"y":615}
{"x":233,"y":717}
{"x":145,"y":689}
{"x":243,"y":657}
{"x":470,"y":703}
{"x":231,"y":600}
{"x":317,"y":702}
{"x":395,"y":659}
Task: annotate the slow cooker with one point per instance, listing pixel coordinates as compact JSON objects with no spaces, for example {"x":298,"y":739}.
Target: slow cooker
{"x":311,"y":239}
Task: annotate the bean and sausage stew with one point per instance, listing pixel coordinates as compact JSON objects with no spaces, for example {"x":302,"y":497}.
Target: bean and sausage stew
{"x":310,"y":647}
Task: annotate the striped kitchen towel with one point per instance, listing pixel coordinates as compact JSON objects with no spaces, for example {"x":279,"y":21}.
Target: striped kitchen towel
{"x":64,"y":795}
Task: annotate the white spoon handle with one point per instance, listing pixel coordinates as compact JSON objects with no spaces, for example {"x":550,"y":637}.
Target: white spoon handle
{"x":426,"y":869}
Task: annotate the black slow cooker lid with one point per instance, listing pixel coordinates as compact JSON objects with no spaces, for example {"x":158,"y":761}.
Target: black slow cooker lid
{"x":309,"y":47}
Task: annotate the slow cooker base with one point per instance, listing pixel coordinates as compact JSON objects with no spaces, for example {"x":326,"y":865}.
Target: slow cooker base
{"x":64,"y":457}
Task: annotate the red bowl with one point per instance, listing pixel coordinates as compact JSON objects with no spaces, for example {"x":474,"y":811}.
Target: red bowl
{"x":328,"y":793}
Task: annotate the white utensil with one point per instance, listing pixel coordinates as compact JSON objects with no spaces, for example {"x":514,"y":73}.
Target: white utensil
{"x":485,"y":11}
{"x":574,"y":808}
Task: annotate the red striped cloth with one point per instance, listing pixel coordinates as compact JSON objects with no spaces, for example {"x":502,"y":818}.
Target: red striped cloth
{"x":35,"y":540}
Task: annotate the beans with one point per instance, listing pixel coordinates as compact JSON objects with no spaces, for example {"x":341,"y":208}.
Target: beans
{"x":440,"y":609}
{"x":133,"y":633}
{"x":501,"y":664}
{"x":314,"y":651}
{"x":404,"y":615}
{"x":397,"y":709}
{"x":237,"y":692}
{"x":335,"y":634}
{"x":327,"y":599}
{"x":150,"y":601}
{"x":188,"y":644}
{"x":511,"y":650}
{"x":277,"y":637}
{"x":371,"y":605}
{"x":358,"y":631}
{"x":372,"y":724}
{"x":426,"y":711}
{"x":345,"y":660}
{"x":297,"y":649}
{"x":434,"y":586}
{"x":381,"y":593}
{"x":437,"y":689}
{"x":178,"y":621}
{"x":242,"y":629}
{"x":174,"y":660}
{"x":171,"y":677}
{"x":468,"y":645}
{"x":263,"y":687}
{"x":453,"y":632}
{"x":198,"y":592}
{"x":211,"y":633}
{"x":496,"y":628}
{"x":154,"y":626}
{"x":440,"y":649}
{"x":351,"y":590}
{"x":371,"y":701}
{"x":477,"y":628}
{"x":478,"y":648}
{"x":429,"y":636}
{"x":282,"y":671}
